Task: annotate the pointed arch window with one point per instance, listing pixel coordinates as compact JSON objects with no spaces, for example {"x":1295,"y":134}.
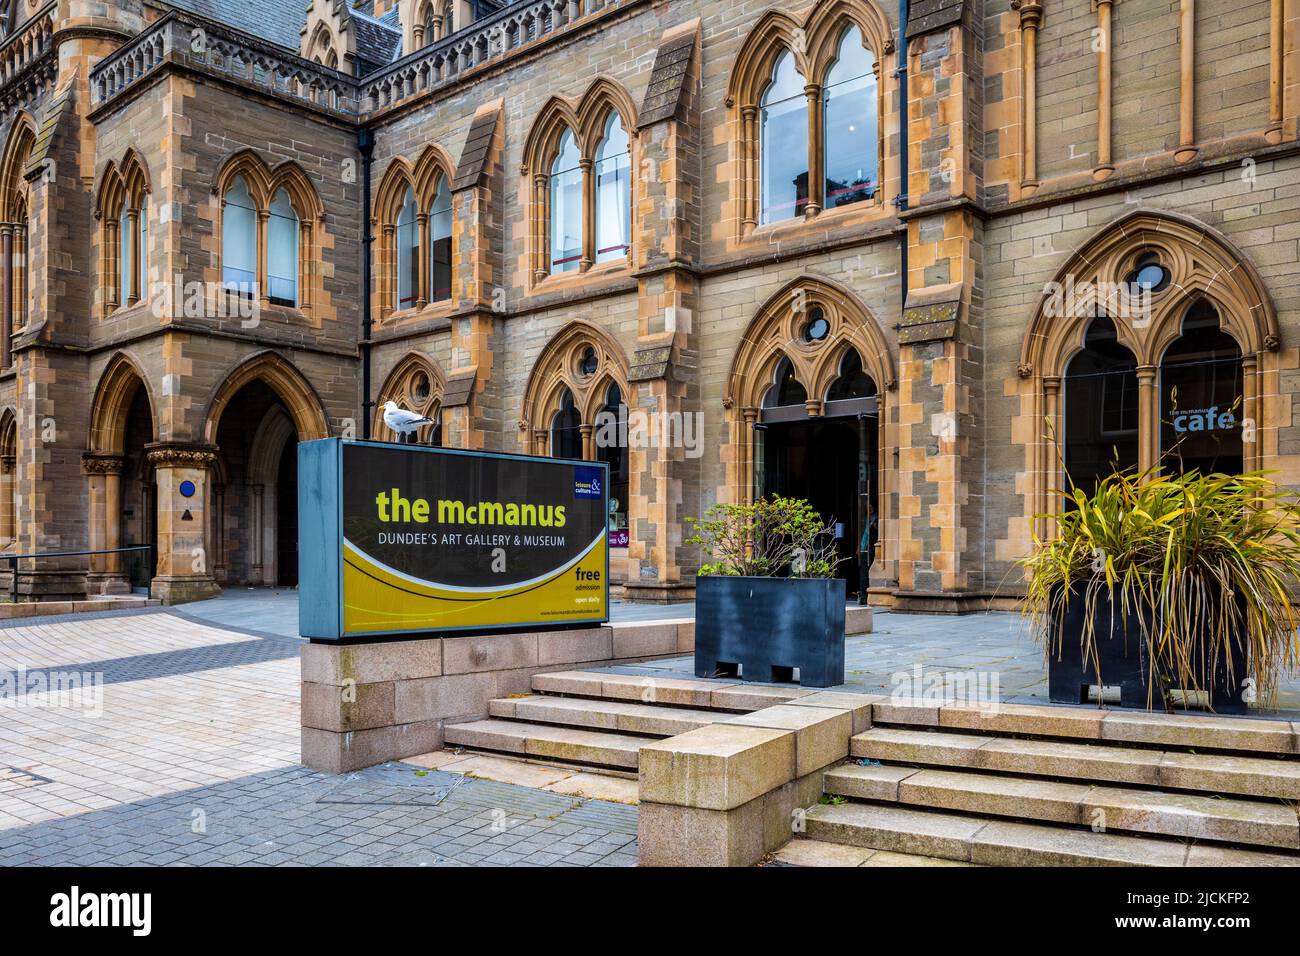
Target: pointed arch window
{"x":851,"y":124}
{"x":1100,"y":408}
{"x":852,"y":381}
{"x":611,"y":448}
{"x":440,"y":242}
{"x":566,"y":206}
{"x":783,"y":132}
{"x":566,"y":429}
{"x":613,"y":193}
{"x":1201,"y":395}
{"x":408,"y":253}
{"x":282,"y":251}
{"x":266,"y":232}
{"x":239,"y":239}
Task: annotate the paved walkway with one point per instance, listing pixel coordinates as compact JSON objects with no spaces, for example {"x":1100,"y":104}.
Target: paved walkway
{"x":181,"y":746}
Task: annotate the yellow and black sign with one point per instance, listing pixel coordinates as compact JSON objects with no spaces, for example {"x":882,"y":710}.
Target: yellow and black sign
{"x":417,"y":539}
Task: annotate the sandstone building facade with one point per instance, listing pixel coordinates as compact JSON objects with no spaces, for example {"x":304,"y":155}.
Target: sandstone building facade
{"x":912,"y":270}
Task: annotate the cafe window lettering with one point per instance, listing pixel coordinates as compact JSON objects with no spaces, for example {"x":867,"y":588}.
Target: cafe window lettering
{"x":1201,"y":397}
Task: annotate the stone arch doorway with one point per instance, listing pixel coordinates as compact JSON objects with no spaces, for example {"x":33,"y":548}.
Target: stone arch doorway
{"x":255,"y":491}
{"x":808,"y":417}
{"x":260,"y":414}
{"x":122,"y":487}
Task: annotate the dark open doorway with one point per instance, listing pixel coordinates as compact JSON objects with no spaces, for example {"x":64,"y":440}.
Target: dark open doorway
{"x":287,"y":517}
{"x":830,"y":460}
{"x":819,"y":459}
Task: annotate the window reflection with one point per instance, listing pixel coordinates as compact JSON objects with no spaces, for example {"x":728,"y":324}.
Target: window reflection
{"x":784,"y":144}
{"x":1201,"y":395}
{"x":1100,"y":408}
{"x":849,"y":101}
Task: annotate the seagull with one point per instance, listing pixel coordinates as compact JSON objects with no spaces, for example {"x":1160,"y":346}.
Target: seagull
{"x":404,"y":423}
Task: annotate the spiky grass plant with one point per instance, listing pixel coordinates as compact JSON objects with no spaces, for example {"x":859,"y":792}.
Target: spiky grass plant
{"x":1203,"y":562}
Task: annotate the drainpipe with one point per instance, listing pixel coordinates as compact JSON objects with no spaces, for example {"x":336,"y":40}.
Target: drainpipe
{"x":900,"y":201}
{"x":366,"y":145}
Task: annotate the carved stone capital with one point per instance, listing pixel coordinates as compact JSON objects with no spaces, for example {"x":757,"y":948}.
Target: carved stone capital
{"x":92,"y":464}
{"x":181,"y":454}
{"x":1025,"y":371}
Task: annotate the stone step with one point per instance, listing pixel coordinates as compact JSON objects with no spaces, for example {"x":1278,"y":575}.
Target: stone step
{"x":554,"y":743}
{"x":1211,"y":773}
{"x":973,"y":839}
{"x":1184,"y":815}
{"x":616,"y":715}
{"x":1202,"y":732}
{"x":670,"y":691}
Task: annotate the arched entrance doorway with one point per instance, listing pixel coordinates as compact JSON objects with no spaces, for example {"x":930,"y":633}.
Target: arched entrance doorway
{"x":808,"y":419}
{"x":122,"y":486}
{"x":261,"y":413}
{"x":257,"y":497}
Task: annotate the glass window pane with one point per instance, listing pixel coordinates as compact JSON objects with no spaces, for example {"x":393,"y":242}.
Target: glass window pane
{"x":1201,"y":397}
{"x":1100,"y":408}
{"x":440,"y":242}
{"x":239,"y":239}
{"x":408,"y":253}
{"x":613,"y":423}
{"x":566,"y":430}
{"x":613,"y":193}
{"x":124,"y":256}
{"x":566,"y":207}
{"x":784,"y":144}
{"x":142,"y":264}
{"x":851,"y":125}
{"x":282,"y":251}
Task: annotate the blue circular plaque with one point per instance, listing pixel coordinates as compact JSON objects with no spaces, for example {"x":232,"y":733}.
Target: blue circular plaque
{"x":187,"y":489}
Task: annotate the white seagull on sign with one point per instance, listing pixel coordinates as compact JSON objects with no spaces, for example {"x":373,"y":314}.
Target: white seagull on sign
{"x":401,"y":421}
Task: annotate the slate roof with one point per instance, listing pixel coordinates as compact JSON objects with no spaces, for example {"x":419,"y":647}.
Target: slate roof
{"x":379,"y":40}
{"x":667,"y":80}
{"x":472,"y":168}
{"x":927,"y":16}
{"x":276,"y":21}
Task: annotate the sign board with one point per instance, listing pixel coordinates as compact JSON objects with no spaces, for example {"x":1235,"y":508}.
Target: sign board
{"x":396,"y":539}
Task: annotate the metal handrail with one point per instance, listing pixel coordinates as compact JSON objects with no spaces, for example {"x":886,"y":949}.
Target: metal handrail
{"x":12,"y":561}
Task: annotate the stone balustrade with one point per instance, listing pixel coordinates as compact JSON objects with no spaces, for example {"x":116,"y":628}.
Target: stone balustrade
{"x":185,"y":40}
{"x":200,"y":45}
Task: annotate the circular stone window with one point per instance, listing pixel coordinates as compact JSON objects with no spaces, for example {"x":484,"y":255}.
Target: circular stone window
{"x":817,"y":328}
{"x":420,"y":388}
{"x":1149,"y":275}
{"x":589,"y":362}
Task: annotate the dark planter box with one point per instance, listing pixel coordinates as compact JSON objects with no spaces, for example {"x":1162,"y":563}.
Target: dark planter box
{"x":766,"y":627}
{"x":1123,"y":661}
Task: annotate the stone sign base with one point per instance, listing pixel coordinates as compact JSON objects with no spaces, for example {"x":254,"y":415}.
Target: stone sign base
{"x":364,"y":704}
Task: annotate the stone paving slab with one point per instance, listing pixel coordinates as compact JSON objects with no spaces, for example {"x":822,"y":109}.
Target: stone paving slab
{"x":182,"y":749}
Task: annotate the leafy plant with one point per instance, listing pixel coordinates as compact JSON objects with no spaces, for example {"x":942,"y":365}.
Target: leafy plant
{"x":770,"y":537}
{"x":1203,"y":562}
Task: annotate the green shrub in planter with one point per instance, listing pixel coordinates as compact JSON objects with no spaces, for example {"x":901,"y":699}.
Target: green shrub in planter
{"x":767,"y":601}
{"x":1198,"y":566}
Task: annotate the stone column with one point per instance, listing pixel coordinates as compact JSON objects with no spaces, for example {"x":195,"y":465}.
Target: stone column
{"x":588,"y":214}
{"x":104,"y":479}
{"x":1104,"y":166}
{"x":7,"y":530}
{"x":6,"y":294}
{"x":1031,"y":18}
{"x":1148,"y":417}
{"x":183,"y":562}
{"x":1186,"y":82}
{"x":816,"y":176}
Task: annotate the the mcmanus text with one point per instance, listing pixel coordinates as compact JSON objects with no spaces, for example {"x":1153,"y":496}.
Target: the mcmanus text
{"x":395,"y":508}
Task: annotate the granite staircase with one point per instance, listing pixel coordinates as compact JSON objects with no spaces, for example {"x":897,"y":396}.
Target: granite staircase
{"x":601,"y":720}
{"x":1062,"y":786}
